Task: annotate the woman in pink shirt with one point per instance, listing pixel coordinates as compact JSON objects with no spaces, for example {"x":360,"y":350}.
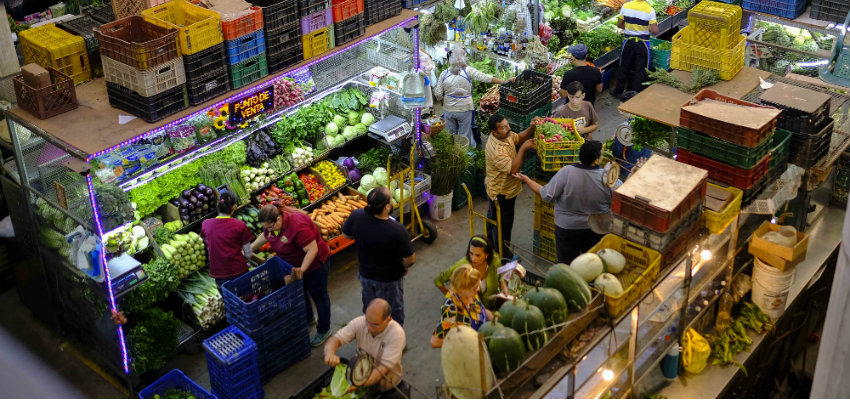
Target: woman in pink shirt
{"x":228,"y":242}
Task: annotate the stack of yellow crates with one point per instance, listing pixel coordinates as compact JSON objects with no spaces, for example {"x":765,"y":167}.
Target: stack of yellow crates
{"x":50,"y":46}
{"x":712,"y":40}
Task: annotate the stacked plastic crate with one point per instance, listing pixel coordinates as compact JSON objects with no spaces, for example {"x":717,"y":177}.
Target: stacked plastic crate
{"x":49,"y":46}
{"x":543,"y":241}
{"x":530,"y":96}
{"x":282,"y":25}
{"x":232,"y":363}
{"x":379,"y":10}
{"x":730,"y":138}
{"x":317,"y":27}
{"x":128,"y":8}
{"x":830,"y":10}
{"x":805,"y":115}
{"x":142,"y":67}
{"x":784,"y":8}
{"x":712,"y":40}
{"x":660,"y":206}
{"x":244,"y":40}
{"x":84,"y":26}
{"x":349,"y":20}
{"x":272,"y":313}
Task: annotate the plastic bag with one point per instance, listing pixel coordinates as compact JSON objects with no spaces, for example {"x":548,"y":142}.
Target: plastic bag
{"x":695,"y":351}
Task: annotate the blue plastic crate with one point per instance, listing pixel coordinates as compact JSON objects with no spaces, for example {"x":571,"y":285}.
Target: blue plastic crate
{"x":273,"y":334}
{"x":175,"y":379}
{"x":411,"y":3}
{"x":232,"y":362}
{"x":274,"y":361}
{"x":245,"y":47}
{"x":784,"y":8}
{"x":266,"y":280}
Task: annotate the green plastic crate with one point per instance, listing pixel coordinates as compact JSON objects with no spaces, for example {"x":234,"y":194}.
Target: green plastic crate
{"x":779,"y":147}
{"x":529,"y":165}
{"x":660,"y":59}
{"x":721,"y":150}
{"x":519,"y":122}
{"x":248,"y":71}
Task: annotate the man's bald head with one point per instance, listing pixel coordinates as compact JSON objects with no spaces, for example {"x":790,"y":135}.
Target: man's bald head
{"x":378,"y":316}
{"x":380,"y":307}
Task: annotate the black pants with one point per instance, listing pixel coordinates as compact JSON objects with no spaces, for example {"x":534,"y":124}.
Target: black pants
{"x":571,"y":243}
{"x":634,"y":60}
{"x":506,"y":208}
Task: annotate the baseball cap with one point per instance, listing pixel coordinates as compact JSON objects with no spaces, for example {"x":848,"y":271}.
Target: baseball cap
{"x":578,"y":51}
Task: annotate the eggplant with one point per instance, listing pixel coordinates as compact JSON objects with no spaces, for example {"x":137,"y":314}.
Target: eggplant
{"x":202,"y":187}
{"x":183,"y":211}
{"x":175,"y":202}
{"x":193,"y":200}
{"x":209,"y":192}
{"x":183,"y":203}
{"x":186,"y":193}
{"x":206,"y":207}
{"x":202,"y":198}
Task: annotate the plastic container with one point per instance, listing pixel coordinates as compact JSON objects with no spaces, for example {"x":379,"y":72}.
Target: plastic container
{"x":244,"y":25}
{"x":717,"y":221}
{"x":149,"y":82}
{"x":659,"y":59}
{"x":284,"y":49}
{"x":137,"y":43}
{"x":379,"y":10}
{"x":544,"y":216}
{"x":807,"y":150}
{"x":349,"y":29}
{"x":84,"y":27}
{"x":644,"y":264}
{"x":721,"y":129}
{"x":555,"y":155}
{"x":205,"y":64}
{"x":727,"y":62}
{"x":779,"y":149}
{"x":129,"y":8}
{"x":770,"y":288}
{"x":275,"y":360}
{"x":198,"y":28}
{"x":674,"y":252}
{"x":522,"y":101}
{"x":307,"y":7}
{"x":273,"y":334}
{"x":543,"y":245}
{"x":49,"y":46}
{"x":266,"y":279}
{"x":278,"y":15}
{"x":440,"y":207}
{"x":721,"y":150}
{"x":315,"y":21}
{"x":738,"y":177}
{"x":804,"y":111}
{"x":205,"y":89}
{"x":753,"y":192}
{"x":714,"y":25}
{"x":175,"y":379}
{"x":149,"y":109}
{"x":245,"y":47}
{"x":317,"y":42}
{"x":232,"y":364}
{"x":790,"y":9}
{"x":46,"y":102}
{"x":103,"y":14}
{"x":521,"y":121}
{"x":829,"y":10}
{"x":345,"y":9}
{"x":649,"y":238}
{"x":248,"y":71}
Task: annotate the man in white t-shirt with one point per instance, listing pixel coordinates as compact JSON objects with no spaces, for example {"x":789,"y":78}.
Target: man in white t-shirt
{"x":378,"y":335}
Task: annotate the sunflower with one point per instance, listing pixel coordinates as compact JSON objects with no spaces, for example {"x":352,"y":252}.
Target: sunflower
{"x":223,"y":112}
{"x":245,"y":124}
{"x":219,"y":123}
{"x":211,"y":113}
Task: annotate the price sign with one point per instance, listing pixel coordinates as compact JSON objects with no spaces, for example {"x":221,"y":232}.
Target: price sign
{"x":251,"y":105}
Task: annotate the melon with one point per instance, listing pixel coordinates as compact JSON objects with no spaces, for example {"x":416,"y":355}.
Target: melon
{"x":613,"y":261}
{"x":529,"y":323}
{"x":609,"y":285}
{"x":575,"y":290}
{"x":588,"y":266}
{"x":507,"y":350}
{"x":486,"y":329}
{"x":460,"y":362}
{"x":551,"y":302}
{"x":510,"y":308}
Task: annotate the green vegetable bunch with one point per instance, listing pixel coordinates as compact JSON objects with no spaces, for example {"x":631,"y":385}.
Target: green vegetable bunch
{"x":162,"y":281}
{"x":646,"y":132}
{"x":449,"y":161}
{"x":153,"y":339}
{"x":600,"y":40}
{"x":483,"y":13}
{"x":734,"y":339}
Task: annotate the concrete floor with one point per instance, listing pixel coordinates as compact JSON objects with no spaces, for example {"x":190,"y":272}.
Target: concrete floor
{"x":422,"y":306}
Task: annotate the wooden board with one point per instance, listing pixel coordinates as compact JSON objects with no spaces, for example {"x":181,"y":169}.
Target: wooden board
{"x":663,"y":182}
{"x":661,"y":103}
{"x":94,"y":126}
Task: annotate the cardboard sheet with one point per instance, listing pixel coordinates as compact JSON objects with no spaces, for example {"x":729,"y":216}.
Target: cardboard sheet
{"x":663,"y":181}
{"x":750,"y":117}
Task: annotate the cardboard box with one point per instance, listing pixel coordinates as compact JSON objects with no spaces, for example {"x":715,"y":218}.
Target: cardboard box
{"x":36,"y":76}
{"x":778,"y":256}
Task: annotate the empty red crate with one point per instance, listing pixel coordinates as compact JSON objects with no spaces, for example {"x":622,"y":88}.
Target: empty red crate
{"x":243,"y":25}
{"x":346,"y":9}
{"x":734,"y":176}
{"x":718,"y":121}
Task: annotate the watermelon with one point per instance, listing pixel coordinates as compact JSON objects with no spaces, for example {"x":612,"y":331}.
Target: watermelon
{"x":529,"y":323}
{"x":486,"y":329}
{"x":551,"y":302}
{"x":506,"y":349}
{"x":510,"y":308}
{"x":572,"y":286}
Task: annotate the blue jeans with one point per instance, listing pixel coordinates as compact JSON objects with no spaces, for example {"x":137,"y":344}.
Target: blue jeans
{"x":392,"y":292}
{"x":460,"y":123}
{"x":316,"y":288}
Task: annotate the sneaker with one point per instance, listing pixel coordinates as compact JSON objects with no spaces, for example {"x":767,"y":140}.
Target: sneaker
{"x":319,"y":338}
{"x":628,"y":95}
{"x":314,"y":320}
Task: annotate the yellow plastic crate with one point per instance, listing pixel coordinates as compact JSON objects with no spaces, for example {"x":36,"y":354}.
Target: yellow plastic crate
{"x":544,"y":215}
{"x":50,"y":46}
{"x":543,"y":246}
{"x":714,"y":25}
{"x":554,"y":155}
{"x":317,"y":42}
{"x":727,"y":63}
{"x":197,"y":28}
{"x":717,"y":221}
{"x":642,"y":268}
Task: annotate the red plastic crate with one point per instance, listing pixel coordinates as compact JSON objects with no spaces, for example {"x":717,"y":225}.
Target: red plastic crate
{"x":657,"y":219}
{"x":721,"y":129}
{"x":243,"y":25}
{"x":734,"y":176}
{"x":346,"y":9}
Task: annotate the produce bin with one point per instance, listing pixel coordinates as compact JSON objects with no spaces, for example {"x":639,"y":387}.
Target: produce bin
{"x":716,"y":124}
{"x":138,"y":43}
{"x":652,"y":239}
{"x":543,"y":245}
{"x":350,"y":29}
{"x":49,"y":46}
{"x":717,"y":221}
{"x":175,"y":379}
{"x":807,"y":150}
{"x":345,"y":9}
{"x":232,"y":364}
{"x":248,"y":71}
{"x":531,"y":91}
{"x":829,"y":10}
{"x":660,"y":59}
{"x":790,"y":9}
{"x":85,"y":26}
{"x":129,"y":8}
{"x":267,"y":281}
{"x":555,"y":155}
{"x":738,"y":177}
{"x":317,"y":42}
{"x":150,"y":109}
{"x":727,"y":62}
{"x":278,"y":15}
{"x":721,"y":150}
{"x":316,"y":21}
{"x":307,"y":7}
{"x":714,"y":25}
{"x":642,"y":267}
{"x":379,"y":10}
{"x":245,"y":47}
{"x":803,"y":111}
{"x":197,"y":28}
{"x":243,"y":25}
{"x":149,"y":82}
{"x":779,"y":149}
{"x":284,"y":49}
{"x":46,"y":102}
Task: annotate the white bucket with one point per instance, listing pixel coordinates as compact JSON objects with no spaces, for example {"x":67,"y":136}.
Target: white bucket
{"x":440,"y":207}
{"x":770,"y":288}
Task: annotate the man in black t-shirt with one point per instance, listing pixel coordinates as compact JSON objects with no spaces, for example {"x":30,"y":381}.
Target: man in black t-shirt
{"x":589,"y":76}
{"x":383,"y":249}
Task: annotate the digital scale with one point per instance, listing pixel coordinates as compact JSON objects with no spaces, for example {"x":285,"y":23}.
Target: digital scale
{"x":390,"y":128}
{"x":125,"y":272}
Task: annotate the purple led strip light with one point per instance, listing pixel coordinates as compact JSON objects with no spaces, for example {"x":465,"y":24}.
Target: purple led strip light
{"x":108,"y":277}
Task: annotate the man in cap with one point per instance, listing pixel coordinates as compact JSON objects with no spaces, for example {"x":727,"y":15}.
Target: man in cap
{"x":578,"y":192}
{"x":589,"y":76}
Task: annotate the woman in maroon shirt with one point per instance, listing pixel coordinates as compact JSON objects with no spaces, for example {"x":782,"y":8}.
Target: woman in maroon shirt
{"x":295,"y":238}
{"x":228,"y":242}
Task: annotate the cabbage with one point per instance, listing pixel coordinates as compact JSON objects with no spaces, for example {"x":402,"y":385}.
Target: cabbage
{"x":337,"y":141}
{"x":339,"y":120}
{"x":367,"y":119}
{"x":368,"y":182}
{"x":394,"y":184}
{"x":331,"y":128}
{"x":566,"y":11}
{"x":349,"y":132}
{"x":361,"y":128}
{"x":353,"y":117}
{"x":380,"y":176}
{"x":397,"y":195}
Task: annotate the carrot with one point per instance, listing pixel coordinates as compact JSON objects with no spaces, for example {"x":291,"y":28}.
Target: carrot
{"x":314,"y":213}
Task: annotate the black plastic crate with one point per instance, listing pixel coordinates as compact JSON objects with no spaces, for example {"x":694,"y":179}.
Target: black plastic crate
{"x":203,"y":65}
{"x":803,"y":111}
{"x":208,"y":88}
{"x":806,"y":150}
{"x":285,"y":59}
{"x":307,"y":7}
{"x":753,"y":192}
{"x":349,"y":29}
{"x":279,"y":14}
{"x":84,"y":26}
{"x":538,"y":93}
{"x":150,"y":109}
{"x":830,"y":10}
{"x":283,"y":41}
{"x":102,"y":14}
{"x":379,"y":10}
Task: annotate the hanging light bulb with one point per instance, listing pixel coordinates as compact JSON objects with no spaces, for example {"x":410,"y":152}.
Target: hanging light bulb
{"x":607,"y":375}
